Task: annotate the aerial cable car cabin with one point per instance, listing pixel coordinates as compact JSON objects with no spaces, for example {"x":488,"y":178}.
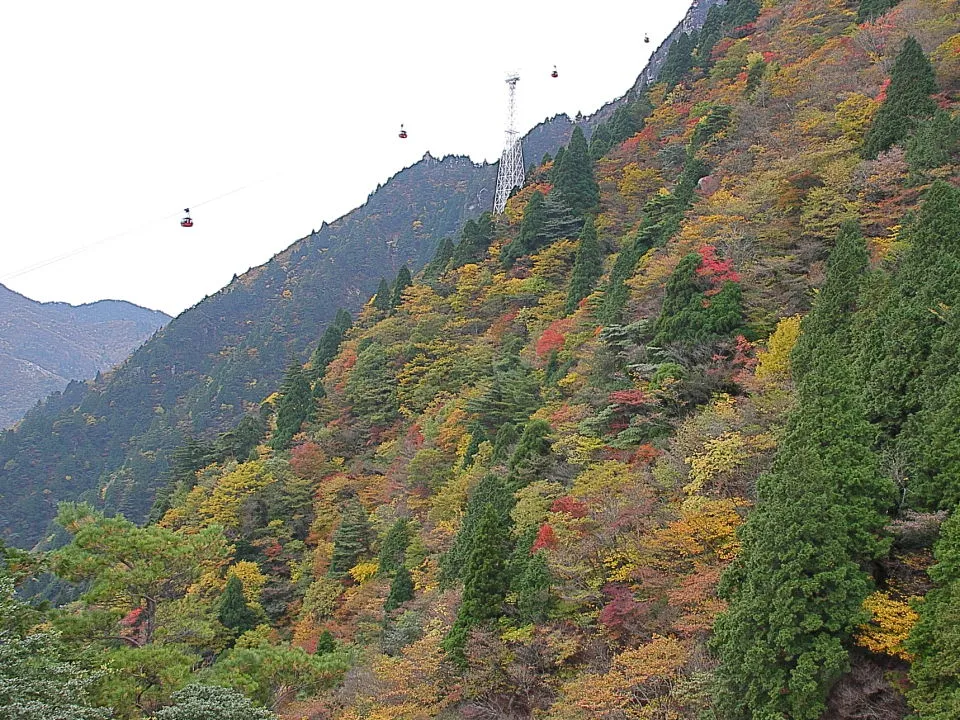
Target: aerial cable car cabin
{"x":403,"y":133}
{"x":554,"y":74}
{"x":187,"y":221}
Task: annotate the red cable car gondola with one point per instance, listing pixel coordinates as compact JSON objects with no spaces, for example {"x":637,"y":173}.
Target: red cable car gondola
{"x":187,"y":221}
{"x":403,"y":133}
{"x":554,"y":74}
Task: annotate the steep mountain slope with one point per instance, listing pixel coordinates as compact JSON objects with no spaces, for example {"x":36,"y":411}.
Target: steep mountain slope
{"x":45,"y":345}
{"x":675,"y":436}
{"x":110,"y":441}
{"x":224,"y":355}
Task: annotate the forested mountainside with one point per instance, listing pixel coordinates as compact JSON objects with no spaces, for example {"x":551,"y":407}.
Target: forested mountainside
{"x":109,"y":442}
{"x":673,"y":437}
{"x":45,"y":345}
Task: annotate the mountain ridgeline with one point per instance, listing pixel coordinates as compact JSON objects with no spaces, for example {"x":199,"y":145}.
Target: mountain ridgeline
{"x":45,"y":345}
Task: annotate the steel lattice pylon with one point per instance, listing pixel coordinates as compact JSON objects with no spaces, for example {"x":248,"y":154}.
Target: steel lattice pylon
{"x":511,"y":162}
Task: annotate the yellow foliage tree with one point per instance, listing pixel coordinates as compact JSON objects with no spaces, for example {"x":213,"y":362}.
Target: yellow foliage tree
{"x":773,"y":363}
{"x":889,"y":626}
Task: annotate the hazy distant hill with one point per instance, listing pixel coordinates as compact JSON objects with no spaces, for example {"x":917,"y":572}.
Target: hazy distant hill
{"x":45,"y":345}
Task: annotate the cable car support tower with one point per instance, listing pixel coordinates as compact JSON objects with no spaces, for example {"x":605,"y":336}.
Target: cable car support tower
{"x":511,"y":162}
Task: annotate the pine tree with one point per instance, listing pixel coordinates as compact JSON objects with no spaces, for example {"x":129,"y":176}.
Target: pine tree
{"x":234,"y":613}
{"x":933,"y":142}
{"x":557,"y":161}
{"x":351,"y":541}
{"x":402,"y":282}
{"x":401,"y":590}
{"x":797,"y":588}
{"x":295,"y":406}
{"x":935,"y":640}
{"x":330,"y":341}
{"x":587,"y":266}
{"x":394,"y":548}
{"x":679,"y":60}
{"x":908,"y":100}
{"x":485,"y":581}
{"x":574,"y":181}
{"x":381,"y":301}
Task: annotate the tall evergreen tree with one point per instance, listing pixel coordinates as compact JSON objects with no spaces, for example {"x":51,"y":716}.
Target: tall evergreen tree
{"x":836,"y":301}
{"x":233,"y":611}
{"x":935,"y":640}
{"x":475,"y":238}
{"x":330,"y":341}
{"x":531,"y":231}
{"x":908,"y":100}
{"x":679,"y":60}
{"x":402,"y":282}
{"x":587,"y":266}
{"x":371,"y":387}
{"x":394,"y":548}
{"x":294,"y":408}
{"x":574,"y":180}
{"x":485,"y":581}
{"x":441,"y":260}
{"x":506,"y":438}
{"x":381,"y":301}
{"x":401,"y":590}
{"x":490,"y":492}
{"x":797,"y":588}
{"x":533,"y":589}
{"x":532,"y":455}
{"x":897,"y":339}
{"x":351,"y":541}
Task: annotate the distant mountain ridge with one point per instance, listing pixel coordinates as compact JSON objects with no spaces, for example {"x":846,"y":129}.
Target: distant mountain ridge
{"x":43,"y":346}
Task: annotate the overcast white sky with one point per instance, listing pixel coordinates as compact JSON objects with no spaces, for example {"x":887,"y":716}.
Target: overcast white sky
{"x":119,"y":114}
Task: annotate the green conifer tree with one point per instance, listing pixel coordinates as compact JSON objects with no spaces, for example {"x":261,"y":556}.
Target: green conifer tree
{"x":935,"y":640}
{"x":532,"y":456}
{"x":394,"y":548}
{"x":574,"y":181}
{"x":475,"y":238}
{"x":325,"y":643}
{"x":836,"y":301}
{"x":330,"y":341}
{"x":295,"y":407}
{"x":533,"y":589}
{"x":440,"y":261}
{"x":531,"y":231}
{"x":401,"y":590}
{"x":477,"y":436}
{"x":351,"y":541}
{"x":507,"y":437}
{"x":234,"y":613}
{"x":490,"y":492}
{"x":908,"y":100}
{"x":381,"y":301}
{"x":870,"y":9}
{"x":402,"y":282}
{"x":485,"y":581}
{"x":587,"y":266}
